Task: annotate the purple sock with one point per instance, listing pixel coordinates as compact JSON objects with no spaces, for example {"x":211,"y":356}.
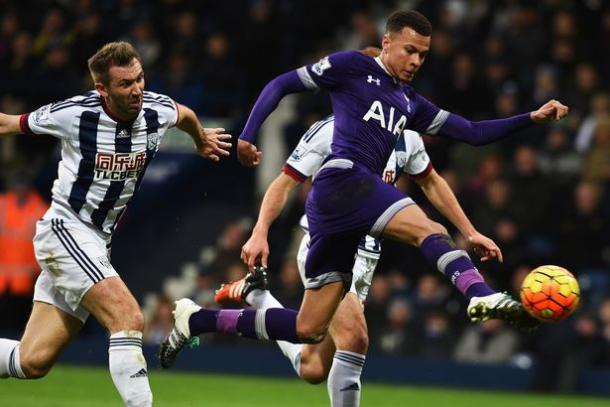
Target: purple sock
{"x":203,"y":321}
{"x":441,"y":252}
{"x":272,"y":323}
{"x":281,"y":324}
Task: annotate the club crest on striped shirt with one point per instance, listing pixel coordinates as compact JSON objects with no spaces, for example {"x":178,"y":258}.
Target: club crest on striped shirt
{"x":152,"y":141}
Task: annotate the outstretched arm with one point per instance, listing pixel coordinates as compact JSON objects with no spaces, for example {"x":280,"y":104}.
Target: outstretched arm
{"x":488,"y":131}
{"x":257,"y":247}
{"x":268,"y":100}
{"x":9,"y":125}
{"x":444,"y":200}
{"x":328,"y":73}
{"x":210,"y":143}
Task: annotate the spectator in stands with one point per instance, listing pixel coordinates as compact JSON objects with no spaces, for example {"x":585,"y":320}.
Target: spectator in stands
{"x":160,"y":322}
{"x":400,"y":335}
{"x":489,"y":342}
{"x":597,"y":163}
{"x":20,"y":208}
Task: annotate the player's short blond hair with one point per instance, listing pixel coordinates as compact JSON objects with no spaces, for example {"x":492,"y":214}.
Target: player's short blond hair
{"x":118,"y":53}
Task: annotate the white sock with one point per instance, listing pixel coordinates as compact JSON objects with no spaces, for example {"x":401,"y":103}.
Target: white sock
{"x":10,"y":364}
{"x":344,"y":379}
{"x":128,"y":368}
{"x":263,"y":299}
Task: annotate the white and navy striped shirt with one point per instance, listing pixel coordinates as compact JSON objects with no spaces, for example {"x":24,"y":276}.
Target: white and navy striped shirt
{"x":102,"y":158}
{"x":409,"y":156}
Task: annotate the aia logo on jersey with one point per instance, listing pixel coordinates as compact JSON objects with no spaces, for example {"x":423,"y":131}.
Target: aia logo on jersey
{"x":392,"y":123}
{"x":119,"y":166}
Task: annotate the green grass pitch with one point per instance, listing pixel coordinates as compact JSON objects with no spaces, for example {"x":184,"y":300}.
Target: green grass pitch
{"x":81,"y":386}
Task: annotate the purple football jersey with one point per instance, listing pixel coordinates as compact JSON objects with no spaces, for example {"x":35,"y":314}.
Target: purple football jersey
{"x":371,"y":107}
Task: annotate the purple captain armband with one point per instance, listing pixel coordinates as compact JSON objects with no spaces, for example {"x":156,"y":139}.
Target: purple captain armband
{"x":268,"y":100}
{"x":483,"y":132}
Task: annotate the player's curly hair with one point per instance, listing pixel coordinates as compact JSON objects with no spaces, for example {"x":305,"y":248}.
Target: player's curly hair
{"x":408,"y":18}
{"x":118,"y":53}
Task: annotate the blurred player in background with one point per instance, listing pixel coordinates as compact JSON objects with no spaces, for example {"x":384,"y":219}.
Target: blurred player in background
{"x":372,"y":105}
{"x":341,"y":355}
{"x":108,"y":138}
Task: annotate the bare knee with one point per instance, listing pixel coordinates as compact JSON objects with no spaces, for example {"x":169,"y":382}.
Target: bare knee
{"x":132,"y":320}
{"x":432,"y":228}
{"x":35,"y":365}
{"x":355,"y":339}
{"x":310,"y":333}
{"x":438,"y":228}
{"x":114,"y":306}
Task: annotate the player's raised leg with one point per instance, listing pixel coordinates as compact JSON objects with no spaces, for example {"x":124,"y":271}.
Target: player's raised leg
{"x":48,"y":331}
{"x":112,"y":304}
{"x":410,"y":225}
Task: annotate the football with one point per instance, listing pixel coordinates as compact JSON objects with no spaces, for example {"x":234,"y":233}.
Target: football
{"x":550,"y":293}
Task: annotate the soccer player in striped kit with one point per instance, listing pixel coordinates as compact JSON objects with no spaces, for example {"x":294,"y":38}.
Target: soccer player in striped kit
{"x":108,"y":138}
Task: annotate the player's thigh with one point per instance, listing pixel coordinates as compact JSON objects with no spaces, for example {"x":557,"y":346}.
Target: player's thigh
{"x":113,"y":305}
{"x":74,"y":259}
{"x":317,"y":310}
{"x":48,"y":331}
{"x":411,"y":225}
{"x":348,"y":327}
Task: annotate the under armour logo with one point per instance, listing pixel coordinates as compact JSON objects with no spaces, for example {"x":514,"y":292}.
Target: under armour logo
{"x":141,"y":373}
{"x":376,"y":80}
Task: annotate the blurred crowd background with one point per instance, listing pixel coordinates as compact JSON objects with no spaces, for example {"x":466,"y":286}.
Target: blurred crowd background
{"x":543,"y":195}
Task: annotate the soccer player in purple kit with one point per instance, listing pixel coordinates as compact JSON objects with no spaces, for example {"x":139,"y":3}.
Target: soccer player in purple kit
{"x":373,"y":104}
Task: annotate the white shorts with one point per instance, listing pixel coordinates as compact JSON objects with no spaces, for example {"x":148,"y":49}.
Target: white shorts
{"x":73,"y":257}
{"x":362,"y":273}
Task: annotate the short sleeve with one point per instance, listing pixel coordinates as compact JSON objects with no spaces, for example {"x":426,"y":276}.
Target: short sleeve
{"x":418,"y":163}
{"x":308,"y":156}
{"x":328,"y":72}
{"x":165,"y":106}
{"x":48,"y":120}
{"x":428,"y":118}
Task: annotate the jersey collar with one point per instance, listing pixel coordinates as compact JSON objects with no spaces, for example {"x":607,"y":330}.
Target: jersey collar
{"x":378,"y":60}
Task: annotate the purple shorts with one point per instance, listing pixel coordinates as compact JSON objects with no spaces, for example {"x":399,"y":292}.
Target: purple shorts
{"x":345,"y":203}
